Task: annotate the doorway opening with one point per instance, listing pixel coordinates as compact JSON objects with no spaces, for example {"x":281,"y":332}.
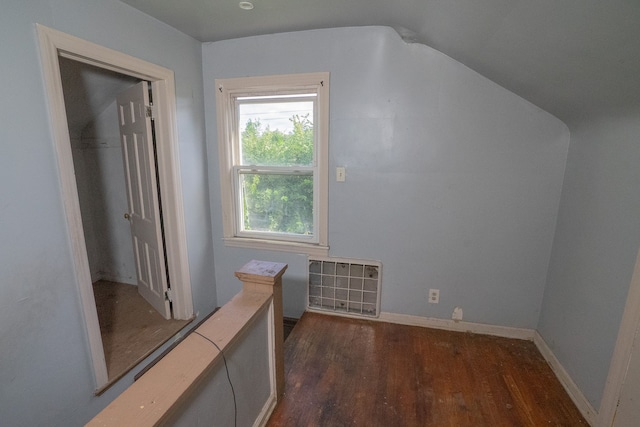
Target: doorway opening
{"x":130,"y":326}
{"x":53,"y":46}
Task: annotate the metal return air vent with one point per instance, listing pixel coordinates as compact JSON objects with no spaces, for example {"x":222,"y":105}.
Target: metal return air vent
{"x":345,"y":286}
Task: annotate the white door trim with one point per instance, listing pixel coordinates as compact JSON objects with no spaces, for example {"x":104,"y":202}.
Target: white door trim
{"x":622,"y":351}
{"x":54,"y":43}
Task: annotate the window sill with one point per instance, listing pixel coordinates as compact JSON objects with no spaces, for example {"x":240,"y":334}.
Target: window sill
{"x":295,"y":247}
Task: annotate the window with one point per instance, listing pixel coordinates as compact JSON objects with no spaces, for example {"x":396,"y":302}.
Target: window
{"x":273,"y":145}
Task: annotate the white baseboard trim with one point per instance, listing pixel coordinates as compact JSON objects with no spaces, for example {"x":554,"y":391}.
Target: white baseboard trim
{"x":267,"y":410}
{"x":451,"y":325}
{"x":585,"y":408}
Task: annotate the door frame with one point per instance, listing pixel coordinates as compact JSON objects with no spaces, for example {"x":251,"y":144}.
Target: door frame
{"x":622,"y":351}
{"x":53,"y":44}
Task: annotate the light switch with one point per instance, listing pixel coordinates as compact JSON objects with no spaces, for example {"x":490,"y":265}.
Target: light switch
{"x":341,"y":173}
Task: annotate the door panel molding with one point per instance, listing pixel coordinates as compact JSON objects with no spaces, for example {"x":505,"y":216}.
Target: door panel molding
{"x":622,"y":352}
{"x":138,"y":157}
{"x":54,"y":43}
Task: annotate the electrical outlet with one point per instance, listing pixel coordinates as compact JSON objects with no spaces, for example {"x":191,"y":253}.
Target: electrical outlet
{"x":434,"y":296}
{"x":457,"y":314}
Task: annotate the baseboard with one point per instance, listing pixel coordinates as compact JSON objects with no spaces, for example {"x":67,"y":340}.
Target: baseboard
{"x":581,"y":402}
{"x":451,"y":325}
{"x":101,"y":275}
{"x":267,"y":410}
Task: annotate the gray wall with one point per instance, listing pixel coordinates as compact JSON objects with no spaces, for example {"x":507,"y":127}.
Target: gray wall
{"x":452,"y":181}
{"x":595,"y":248}
{"x":100,"y":178}
{"x":45,"y":373}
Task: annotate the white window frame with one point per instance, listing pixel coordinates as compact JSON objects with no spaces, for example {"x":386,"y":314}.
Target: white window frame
{"x":227,"y":91}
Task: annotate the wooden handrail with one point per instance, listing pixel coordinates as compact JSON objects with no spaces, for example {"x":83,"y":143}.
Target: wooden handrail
{"x":162,"y":391}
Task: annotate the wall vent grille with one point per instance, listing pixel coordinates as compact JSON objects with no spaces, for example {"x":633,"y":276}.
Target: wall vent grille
{"x":345,"y":286}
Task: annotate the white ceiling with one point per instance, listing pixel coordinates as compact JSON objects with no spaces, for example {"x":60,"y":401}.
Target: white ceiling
{"x":573,"y":58}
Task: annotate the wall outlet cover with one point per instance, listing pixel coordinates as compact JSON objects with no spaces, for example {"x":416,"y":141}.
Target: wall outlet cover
{"x":434,"y":296}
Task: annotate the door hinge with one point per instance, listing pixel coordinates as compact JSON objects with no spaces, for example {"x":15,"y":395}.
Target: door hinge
{"x":168,"y":295}
{"x":149,"y":111}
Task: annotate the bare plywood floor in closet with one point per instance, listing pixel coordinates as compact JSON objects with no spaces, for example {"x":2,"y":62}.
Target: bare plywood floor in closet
{"x":131,"y":328}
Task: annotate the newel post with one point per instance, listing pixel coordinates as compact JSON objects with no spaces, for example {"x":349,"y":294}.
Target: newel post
{"x":263,"y":276}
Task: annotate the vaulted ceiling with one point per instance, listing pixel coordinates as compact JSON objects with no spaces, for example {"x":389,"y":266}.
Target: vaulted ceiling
{"x":574,"y":58}
{"x":88,"y":91}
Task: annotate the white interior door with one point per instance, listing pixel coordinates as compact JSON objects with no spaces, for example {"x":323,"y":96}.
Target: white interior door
{"x":142,"y":194}
{"x":628,"y":412}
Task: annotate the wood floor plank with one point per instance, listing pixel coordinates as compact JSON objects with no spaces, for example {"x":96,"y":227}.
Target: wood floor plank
{"x":351,"y":372}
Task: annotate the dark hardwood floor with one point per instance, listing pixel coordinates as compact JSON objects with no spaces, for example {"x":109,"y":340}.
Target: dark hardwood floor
{"x":350,"y":372}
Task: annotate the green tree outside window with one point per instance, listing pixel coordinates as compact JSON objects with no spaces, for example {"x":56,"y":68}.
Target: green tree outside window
{"x":278,"y":202}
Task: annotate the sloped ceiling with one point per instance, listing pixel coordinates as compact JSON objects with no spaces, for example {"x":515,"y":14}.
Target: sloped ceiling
{"x":88,"y":90}
{"x":573,"y":58}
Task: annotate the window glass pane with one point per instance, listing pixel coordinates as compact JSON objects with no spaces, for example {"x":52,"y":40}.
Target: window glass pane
{"x":277,"y":203}
{"x":276,"y":132}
